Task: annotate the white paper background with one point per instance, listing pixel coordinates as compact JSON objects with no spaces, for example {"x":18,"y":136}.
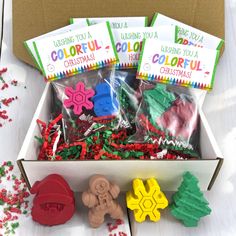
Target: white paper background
{"x":82,"y":22}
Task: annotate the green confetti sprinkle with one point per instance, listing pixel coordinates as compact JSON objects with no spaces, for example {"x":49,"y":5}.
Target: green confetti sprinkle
{"x":103,"y":157}
{"x":2,"y":171}
{"x":9,"y":163}
{"x":40,"y":140}
{"x":15,"y":225}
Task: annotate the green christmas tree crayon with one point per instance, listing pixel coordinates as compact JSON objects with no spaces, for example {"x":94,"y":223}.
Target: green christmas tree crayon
{"x":158,"y":100}
{"x":189,"y":204}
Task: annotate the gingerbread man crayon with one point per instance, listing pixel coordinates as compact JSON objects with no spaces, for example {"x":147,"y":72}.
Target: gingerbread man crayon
{"x":100,"y":198}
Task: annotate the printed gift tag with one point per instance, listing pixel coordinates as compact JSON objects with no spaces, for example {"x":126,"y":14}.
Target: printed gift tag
{"x":116,"y":22}
{"x":188,"y":35}
{"x":82,"y":22}
{"x":29,"y":43}
{"x":76,"y":51}
{"x":177,"y":64}
{"x":129,"y":42}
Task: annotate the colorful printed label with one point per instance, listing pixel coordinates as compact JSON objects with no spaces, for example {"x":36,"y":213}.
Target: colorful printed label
{"x":128,"y":42}
{"x":30,"y":47}
{"x":76,"y":51}
{"x":177,"y":64}
{"x":117,"y":22}
{"x":188,"y":35}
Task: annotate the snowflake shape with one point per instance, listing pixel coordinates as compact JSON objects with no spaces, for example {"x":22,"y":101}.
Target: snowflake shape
{"x":78,"y":98}
{"x":146,"y":200}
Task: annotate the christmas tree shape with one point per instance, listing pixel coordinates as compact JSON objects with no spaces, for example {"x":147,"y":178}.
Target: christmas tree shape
{"x":158,"y":100}
{"x":189,"y":204}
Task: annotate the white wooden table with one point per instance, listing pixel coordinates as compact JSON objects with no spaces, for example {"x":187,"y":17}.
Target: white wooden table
{"x":219,"y":107}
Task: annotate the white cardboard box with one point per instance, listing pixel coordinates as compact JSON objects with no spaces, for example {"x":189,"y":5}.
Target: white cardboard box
{"x":77,"y":173}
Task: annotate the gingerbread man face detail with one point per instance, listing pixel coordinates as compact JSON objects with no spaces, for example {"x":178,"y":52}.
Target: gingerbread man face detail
{"x":99,"y":185}
{"x":100,"y":199}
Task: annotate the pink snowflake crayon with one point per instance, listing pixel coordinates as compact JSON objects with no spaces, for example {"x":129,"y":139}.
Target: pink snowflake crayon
{"x":78,"y":98}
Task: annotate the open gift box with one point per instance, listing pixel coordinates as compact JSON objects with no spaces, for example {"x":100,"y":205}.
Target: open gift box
{"x":28,"y":24}
{"x":77,"y":173}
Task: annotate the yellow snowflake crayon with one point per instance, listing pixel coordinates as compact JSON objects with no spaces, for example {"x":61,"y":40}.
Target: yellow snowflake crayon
{"x":146,"y":200}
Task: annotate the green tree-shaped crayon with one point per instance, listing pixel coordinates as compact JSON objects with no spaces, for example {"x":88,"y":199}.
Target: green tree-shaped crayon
{"x":158,"y":100}
{"x":189,"y":204}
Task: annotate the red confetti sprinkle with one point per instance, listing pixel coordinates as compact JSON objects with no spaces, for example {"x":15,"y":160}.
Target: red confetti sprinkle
{"x":5,"y":85}
{"x":3,"y":115}
{"x":12,"y":201}
{"x":115,"y":227}
{"x":14,"y":82}
{"x":3,"y":70}
{"x":6,"y":101}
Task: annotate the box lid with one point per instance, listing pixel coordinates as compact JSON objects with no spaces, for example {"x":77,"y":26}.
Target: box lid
{"x":32,"y":18}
